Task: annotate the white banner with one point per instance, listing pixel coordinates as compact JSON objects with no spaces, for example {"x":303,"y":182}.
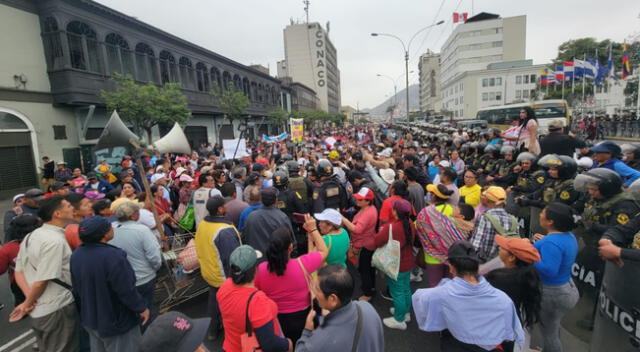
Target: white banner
{"x":229,"y":146}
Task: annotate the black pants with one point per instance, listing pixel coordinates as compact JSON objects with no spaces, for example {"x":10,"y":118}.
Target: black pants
{"x":367,"y":272}
{"x":213,"y":311}
{"x":448,"y":343}
{"x":292,"y":323}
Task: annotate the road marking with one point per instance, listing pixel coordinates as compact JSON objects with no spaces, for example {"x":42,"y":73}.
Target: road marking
{"x":17,"y":339}
{"x":30,"y":342}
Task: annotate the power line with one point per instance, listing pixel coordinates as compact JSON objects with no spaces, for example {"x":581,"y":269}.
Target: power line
{"x":429,"y":31}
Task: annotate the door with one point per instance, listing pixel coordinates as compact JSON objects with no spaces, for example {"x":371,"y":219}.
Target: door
{"x":72,"y":157}
{"x":196,"y":135}
{"x":16,"y":155}
{"x":226,"y":132}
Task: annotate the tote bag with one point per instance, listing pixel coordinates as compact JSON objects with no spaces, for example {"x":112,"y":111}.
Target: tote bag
{"x":387,"y":257}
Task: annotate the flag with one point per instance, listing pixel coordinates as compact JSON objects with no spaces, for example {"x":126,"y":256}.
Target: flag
{"x":590,"y":67}
{"x":602,"y":73}
{"x":456,"y":17}
{"x":626,"y":66}
{"x":547,"y":77}
{"x":611,"y":68}
{"x":543,"y":78}
{"x":568,"y":70}
{"x":559,"y":73}
{"x":579,"y":67}
{"x":465,"y":16}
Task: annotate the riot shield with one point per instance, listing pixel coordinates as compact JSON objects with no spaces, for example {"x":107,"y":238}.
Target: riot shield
{"x":617,"y":323}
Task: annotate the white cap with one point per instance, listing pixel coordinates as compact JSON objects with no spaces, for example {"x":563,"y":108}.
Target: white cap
{"x":444,"y":163}
{"x":185,"y":178}
{"x":156,"y":177}
{"x":180,"y":170}
{"x":330,"y":215}
{"x":386,"y":153}
{"x":17,"y":196}
{"x":388,"y":175}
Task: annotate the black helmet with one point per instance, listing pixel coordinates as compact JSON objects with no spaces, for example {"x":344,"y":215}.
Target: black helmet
{"x":324,"y":168}
{"x":465,"y":147}
{"x":458,"y":140}
{"x":280,"y":179}
{"x":292,"y":166}
{"x":631,"y":148}
{"x":566,"y":166}
{"x":608,"y":181}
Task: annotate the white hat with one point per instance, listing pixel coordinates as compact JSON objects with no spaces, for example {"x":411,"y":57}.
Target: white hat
{"x":385,"y":153}
{"x":156,"y":177}
{"x":186,"y":178}
{"x":180,"y":170}
{"x":330,"y":215}
{"x":444,"y":163}
{"x":388,"y":175}
{"x":18,"y":196}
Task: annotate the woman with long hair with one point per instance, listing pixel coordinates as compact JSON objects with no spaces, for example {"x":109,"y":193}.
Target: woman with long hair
{"x":129,"y":191}
{"x":528,"y":135}
{"x":519,"y":280}
{"x":285,"y":280}
{"x":558,"y":250}
{"x":403,"y":231}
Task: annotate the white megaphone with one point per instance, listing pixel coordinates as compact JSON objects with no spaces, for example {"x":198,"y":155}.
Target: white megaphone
{"x":173,"y":142}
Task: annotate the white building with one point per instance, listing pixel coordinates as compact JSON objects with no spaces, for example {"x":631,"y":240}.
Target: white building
{"x":311,"y":59}
{"x":429,"y":67}
{"x":498,"y":84}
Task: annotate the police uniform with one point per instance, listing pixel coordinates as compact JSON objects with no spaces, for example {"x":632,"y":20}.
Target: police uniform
{"x":329,"y":194}
{"x":303,"y":187}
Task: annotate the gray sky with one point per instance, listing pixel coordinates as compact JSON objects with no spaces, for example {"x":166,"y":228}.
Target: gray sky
{"x":250,"y":31}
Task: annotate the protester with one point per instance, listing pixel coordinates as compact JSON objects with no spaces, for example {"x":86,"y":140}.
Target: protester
{"x":528,"y":134}
{"x":201,"y":196}
{"x":350,"y":325}
{"x":414,"y":189}
{"x":440,"y":196}
{"x":255,"y":202}
{"x":48,"y":170}
{"x":19,"y":227}
{"x":495,"y":220}
{"x":261,"y":223}
{"x":233,"y":205}
{"x":335,"y":237}
{"x":81,"y":210}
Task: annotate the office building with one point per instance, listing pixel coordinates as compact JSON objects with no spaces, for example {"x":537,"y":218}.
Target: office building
{"x":429,"y":68}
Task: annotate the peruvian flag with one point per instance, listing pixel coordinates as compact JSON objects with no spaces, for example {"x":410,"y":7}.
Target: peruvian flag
{"x":457,"y":17}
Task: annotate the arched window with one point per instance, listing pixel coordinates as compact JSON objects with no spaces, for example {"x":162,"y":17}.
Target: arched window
{"x":202,"y":77}
{"x":119,"y":57}
{"x":145,"y":63}
{"x":216,"y":79}
{"x":246,"y":87}
{"x":254,"y":91}
{"x":237,"y":83}
{"x":83,"y":47}
{"x":226,"y":80}
{"x":186,"y":72}
{"x":52,"y":43}
{"x":168,"y":69}
{"x":260,"y":93}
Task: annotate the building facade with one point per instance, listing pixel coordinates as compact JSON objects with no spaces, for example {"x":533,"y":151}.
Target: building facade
{"x":311,"y":59}
{"x":62,"y":53}
{"x":429,"y":68}
{"x":301,"y":97}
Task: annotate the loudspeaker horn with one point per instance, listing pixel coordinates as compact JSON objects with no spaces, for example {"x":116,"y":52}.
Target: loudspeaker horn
{"x":173,"y":142}
{"x":115,"y":134}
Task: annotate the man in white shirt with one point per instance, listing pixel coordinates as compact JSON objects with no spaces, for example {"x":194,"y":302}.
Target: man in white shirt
{"x":201,"y":195}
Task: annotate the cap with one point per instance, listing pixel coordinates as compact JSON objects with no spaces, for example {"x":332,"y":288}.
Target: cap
{"x":93,"y":229}
{"x":356,"y":175}
{"x":606,"y":147}
{"x":180,"y":170}
{"x":205,"y":169}
{"x":34,"y":193}
{"x":495,"y":194}
{"x":186,"y":178}
{"x":244,"y":258}
{"x":434,"y":189}
{"x":520,"y":247}
{"x":17,"y":196}
{"x":364,"y":193}
{"x":334,"y":154}
{"x":330,"y":215}
{"x":156,"y":177}
{"x":556,"y":125}
{"x":388,"y":175}
{"x":174,"y":331}
{"x":401,"y":205}
{"x":444,"y":163}
{"x":58,"y":186}
{"x":462,"y":250}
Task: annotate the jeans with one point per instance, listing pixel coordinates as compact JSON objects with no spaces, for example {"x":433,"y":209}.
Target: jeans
{"x":129,"y":341}
{"x":213,"y":311}
{"x":556,"y":302}
{"x":367,"y":272}
{"x":401,"y":293}
{"x":146,"y":291}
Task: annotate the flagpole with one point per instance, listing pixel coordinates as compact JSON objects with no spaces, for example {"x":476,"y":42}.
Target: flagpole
{"x":595,"y":79}
{"x":563,"y":78}
{"x":584,"y":78}
{"x":546,"y":92}
{"x":573,"y":77}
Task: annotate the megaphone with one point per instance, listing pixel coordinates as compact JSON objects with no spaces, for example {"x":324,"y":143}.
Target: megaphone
{"x":173,"y":142}
{"x":115,"y":134}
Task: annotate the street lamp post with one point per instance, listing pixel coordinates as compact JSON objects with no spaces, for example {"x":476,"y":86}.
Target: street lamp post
{"x":406,"y":55}
{"x":395,"y":86}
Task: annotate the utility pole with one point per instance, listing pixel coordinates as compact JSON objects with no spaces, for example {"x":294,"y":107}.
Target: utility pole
{"x":306,"y":8}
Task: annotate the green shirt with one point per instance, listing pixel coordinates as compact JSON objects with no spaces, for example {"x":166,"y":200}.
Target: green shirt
{"x":338,"y":246}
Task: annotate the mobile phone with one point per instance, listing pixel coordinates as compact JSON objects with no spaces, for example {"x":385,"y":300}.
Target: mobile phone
{"x":298,"y":218}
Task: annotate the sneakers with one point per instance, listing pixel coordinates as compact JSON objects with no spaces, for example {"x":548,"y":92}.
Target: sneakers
{"x":416,"y":278}
{"x":407,"y":317}
{"x":392,"y":323}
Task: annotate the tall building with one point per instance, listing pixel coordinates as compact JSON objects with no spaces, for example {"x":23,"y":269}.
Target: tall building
{"x":311,"y":59}
{"x":482,"y":40}
{"x":429,"y":67}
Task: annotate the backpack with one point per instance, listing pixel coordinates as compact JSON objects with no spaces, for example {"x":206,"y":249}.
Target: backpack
{"x":495,"y":223}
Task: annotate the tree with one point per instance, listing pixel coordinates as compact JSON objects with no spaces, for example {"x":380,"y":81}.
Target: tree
{"x":145,"y":106}
{"x":232,"y":102}
{"x":278,"y":117}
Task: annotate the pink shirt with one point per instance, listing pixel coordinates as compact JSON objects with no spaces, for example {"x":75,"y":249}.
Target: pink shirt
{"x":289,"y":291}
{"x":365,"y":231}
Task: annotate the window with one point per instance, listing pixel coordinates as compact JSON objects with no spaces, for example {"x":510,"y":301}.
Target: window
{"x":202,"y":77}
{"x":168,"y":69}
{"x":518,"y":79}
{"x":525,"y":94}
{"x":485,"y":96}
{"x":456,"y":101}
{"x":526,"y":78}
{"x":432,"y":83}
{"x":52,"y":43}
{"x":226,"y":80}
{"x":485,"y":82}
{"x":456,"y":89}
{"x":492,"y":82}
{"x":461,"y":99}
{"x":498,"y":81}
{"x":145,"y":63}
{"x":518,"y":94}
{"x":119,"y":57}
{"x":186,"y":72}
{"x":498,"y":95}
{"x":59,"y":132}
{"x":83,"y":47}
{"x":246,"y":87}
{"x":533,"y":79}
{"x":492,"y":96}
{"x":216,"y":79}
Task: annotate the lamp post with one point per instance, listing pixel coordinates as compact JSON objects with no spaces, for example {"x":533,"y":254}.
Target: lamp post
{"x":406,"y":55}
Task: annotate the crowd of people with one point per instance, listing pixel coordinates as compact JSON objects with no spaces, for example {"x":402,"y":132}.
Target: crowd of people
{"x":491,"y":220}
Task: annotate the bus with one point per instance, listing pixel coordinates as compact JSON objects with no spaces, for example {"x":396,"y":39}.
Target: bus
{"x":546,"y":111}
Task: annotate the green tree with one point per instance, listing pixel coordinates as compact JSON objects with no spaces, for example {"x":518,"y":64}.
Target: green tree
{"x":232,"y":102}
{"x":278,"y":117}
{"x":145,"y":106}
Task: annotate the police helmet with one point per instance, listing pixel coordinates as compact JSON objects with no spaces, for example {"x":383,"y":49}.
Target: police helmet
{"x":507,"y":149}
{"x":608,"y":181}
{"x":585,"y":163}
{"x":465,"y":147}
{"x":292,"y":166}
{"x":492,"y":150}
{"x":565,"y":165}
{"x":311,"y":170}
{"x":458,"y":140}
{"x":280,"y":179}
{"x":527,"y":156}
{"x":324,"y":168}
{"x":631,"y":148}
{"x":474,"y":145}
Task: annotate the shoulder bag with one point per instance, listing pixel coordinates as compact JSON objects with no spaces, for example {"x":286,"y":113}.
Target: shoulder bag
{"x":248,"y":339}
{"x":387,"y":257}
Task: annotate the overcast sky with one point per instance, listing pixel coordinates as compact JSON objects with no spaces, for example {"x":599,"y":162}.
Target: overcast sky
{"x":250,"y":31}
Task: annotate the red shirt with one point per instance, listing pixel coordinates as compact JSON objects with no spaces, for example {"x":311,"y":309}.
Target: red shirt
{"x":386,"y":213}
{"x":397,"y":232}
{"x":232,"y":300}
{"x":8,"y":254}
{"x":73,"y":236}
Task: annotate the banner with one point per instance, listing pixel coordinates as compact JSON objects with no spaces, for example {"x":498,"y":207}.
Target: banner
{"x":230,"y":145}
{"x":277,"y":138}
{"x":297,"y":130}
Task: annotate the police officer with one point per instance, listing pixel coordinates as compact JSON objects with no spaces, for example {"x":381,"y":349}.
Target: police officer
{"x":330,"y":193}
{"x":503,"y":174}
{"x":631,"y":153}
{"x":297,"y":183}
{"x":490,"y":159}
{"x":290,"y":202}
{"x":528,"y":180}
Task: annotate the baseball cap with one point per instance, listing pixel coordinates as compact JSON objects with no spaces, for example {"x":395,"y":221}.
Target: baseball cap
{"x":388,"y":175}
{"x":334,"y":154}
{"x":356,"y":175}
{"x":34,"y":193}
{"x":174,"y":331}
{"x":462,"y":250}
{"x":330,"y":215}
{"x":156,"y":177}
{"x":18,"y":196}
{"x":364,"y":193}
{"x":444,"y":163}
{"x":556,"y":125}
{"x":244,"y":258}
{"x":179,"y":171}
{"x":93,"y":229}
{"x":186,"y":178}
{"x":434,"y":189}
{"x":606,"y":147}
{"x":520,"y":247}
{"x":58,"y":186}
{"x":495,"y":194}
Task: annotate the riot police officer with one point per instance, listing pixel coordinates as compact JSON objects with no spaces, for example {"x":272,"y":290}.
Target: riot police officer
{"x":631,"y":153}
{"x":528,"y":180}
{"x":330,"y":193}
{"x":297,"y":183}
{"x":503,"y":175}
{"x":290,"y":201}
{"x":490,"y":160}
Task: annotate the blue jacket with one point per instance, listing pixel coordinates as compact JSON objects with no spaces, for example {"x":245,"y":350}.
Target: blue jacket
{"x":106,"y":285}
{"x":627,"y":173}
{"x":103,"y":186}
